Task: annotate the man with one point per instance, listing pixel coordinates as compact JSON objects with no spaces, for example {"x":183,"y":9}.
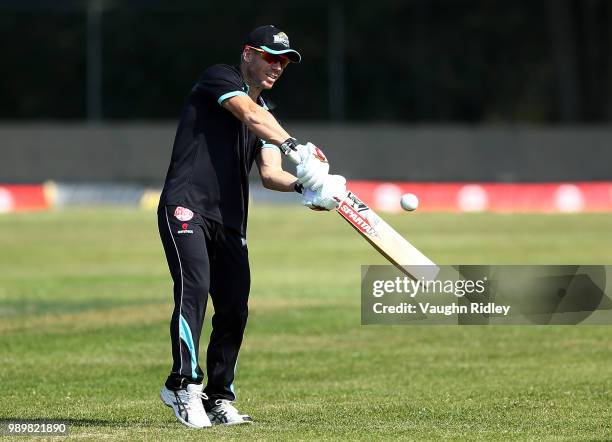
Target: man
{"x":202,"y":217}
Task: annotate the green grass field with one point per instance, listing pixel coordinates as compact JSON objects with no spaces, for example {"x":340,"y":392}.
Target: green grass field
{"x":85,"y":304}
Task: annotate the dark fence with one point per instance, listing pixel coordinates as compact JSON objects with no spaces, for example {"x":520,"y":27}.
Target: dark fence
{"x":139,"y":153}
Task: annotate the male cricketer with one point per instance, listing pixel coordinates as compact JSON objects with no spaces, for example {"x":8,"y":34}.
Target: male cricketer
{"x":202,"y":217}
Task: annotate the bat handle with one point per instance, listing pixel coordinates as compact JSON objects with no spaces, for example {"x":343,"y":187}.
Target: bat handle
{"x":294,"y":157}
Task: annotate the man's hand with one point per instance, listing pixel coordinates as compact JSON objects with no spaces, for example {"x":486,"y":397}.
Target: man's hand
{"x":313,"y":167}
{"x":329,"y":196}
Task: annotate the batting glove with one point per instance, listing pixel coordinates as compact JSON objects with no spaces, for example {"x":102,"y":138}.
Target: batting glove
{"x":328,"y":197}
{"x":313,"y":167}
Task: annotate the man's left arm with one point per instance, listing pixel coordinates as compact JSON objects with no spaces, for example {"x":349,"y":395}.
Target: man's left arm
{"x":273,"y":177}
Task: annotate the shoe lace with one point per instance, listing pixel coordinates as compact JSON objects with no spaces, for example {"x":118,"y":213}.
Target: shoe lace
{"x":196,"y":397}
{"x":227,"y":405}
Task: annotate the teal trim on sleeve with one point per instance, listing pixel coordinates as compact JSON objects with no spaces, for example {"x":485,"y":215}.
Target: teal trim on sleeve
{"x":185,"y":335}
{"x":224,"y":97}
{"x":270,"y":146}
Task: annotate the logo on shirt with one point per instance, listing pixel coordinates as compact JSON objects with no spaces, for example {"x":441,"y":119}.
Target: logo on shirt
{"x":281,"y":38}
{"x":184,"y":229}
{"x":183,"y":214}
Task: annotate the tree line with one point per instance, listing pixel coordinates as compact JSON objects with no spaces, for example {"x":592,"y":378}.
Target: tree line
{"x":469,"y":61}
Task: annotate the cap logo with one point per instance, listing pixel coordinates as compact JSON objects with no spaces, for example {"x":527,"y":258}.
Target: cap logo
{"x":281,"y":38}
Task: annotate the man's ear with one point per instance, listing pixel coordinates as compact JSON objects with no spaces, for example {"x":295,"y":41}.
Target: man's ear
{"x":246,"y":55}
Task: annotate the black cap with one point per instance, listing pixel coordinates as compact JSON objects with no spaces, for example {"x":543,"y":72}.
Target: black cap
{"x":273,"y":40}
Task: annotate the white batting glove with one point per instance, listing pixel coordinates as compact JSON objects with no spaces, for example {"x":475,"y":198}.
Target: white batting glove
{"x":328,"y":197}
{"x":313,"y":167}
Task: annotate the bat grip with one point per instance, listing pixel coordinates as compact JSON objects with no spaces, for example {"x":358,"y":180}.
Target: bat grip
{"x":294,"y":157}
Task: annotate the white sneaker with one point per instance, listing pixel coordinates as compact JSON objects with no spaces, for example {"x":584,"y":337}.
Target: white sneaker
{"x":224,"y":413}
{"x":187,"y":405}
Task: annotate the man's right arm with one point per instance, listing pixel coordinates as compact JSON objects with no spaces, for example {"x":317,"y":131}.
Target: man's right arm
{"x":224,"y":85}
{"x":313,"y":167}
{"x":261,"y":122}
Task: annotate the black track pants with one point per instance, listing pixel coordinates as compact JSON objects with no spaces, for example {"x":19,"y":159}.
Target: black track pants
{"x":204,"y":258}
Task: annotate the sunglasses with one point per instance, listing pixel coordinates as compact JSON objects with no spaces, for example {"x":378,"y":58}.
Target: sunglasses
{"x":272,"y":58}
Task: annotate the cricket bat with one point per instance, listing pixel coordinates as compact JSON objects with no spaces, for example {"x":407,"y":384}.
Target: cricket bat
{"x":382,"y":236}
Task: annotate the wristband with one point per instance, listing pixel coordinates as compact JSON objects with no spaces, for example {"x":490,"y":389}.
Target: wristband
{"x":298,"y":187}
{"x":288,"y":145}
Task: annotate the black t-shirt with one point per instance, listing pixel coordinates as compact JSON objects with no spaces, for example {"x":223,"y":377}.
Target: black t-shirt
{"x":213,"y":152}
